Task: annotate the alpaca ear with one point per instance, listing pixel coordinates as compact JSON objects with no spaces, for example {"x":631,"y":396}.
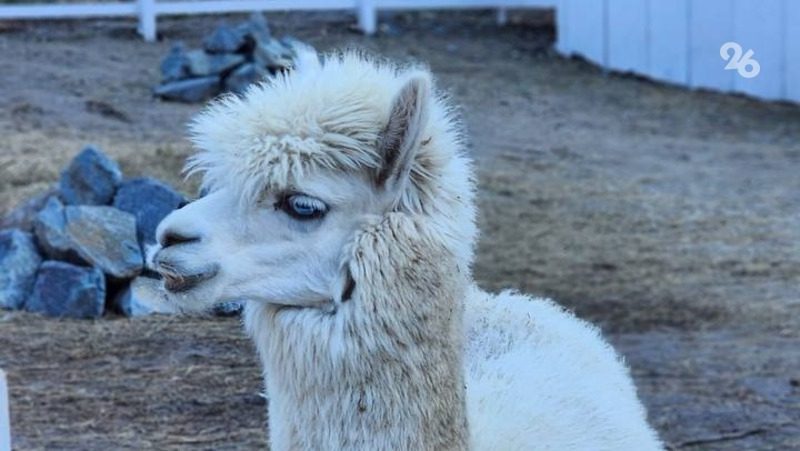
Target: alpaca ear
{"x":402,"y":135}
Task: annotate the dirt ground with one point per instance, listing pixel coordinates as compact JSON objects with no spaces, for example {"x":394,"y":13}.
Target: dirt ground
{"x":669,"y":217}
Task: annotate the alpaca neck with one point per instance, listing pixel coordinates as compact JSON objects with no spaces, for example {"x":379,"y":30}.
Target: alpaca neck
{"x":384,"y":371}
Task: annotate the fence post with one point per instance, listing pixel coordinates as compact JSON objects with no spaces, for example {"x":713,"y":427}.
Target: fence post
{"x":147,"y":19}
{"x":502,"y":16}
{"x":367,"y":16}
{"x":5,"y":423}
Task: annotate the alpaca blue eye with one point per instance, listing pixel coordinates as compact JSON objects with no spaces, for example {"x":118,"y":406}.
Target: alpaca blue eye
{"x":301,"y":206}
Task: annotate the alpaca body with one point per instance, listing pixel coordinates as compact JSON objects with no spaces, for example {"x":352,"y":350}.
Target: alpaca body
{"x":341,"y":205}
{"x":524,"y":359}
{"x":388,"y":368}
{"x":539,"y":378}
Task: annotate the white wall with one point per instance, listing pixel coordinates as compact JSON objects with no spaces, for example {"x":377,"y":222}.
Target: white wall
{"x":679,"y":41}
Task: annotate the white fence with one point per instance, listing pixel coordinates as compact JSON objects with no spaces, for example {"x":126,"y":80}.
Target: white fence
{"x":148,"y":10}
{"x":679,"y":41}
{"x":5,"y":427}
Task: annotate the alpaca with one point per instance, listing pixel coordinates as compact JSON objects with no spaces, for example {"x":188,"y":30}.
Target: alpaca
{"x":341,"y":207}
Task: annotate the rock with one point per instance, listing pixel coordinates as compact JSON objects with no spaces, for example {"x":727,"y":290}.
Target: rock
{"x":173,"y":66}
{"x":201,"y":64}
{"x":91,"y":179}
{"x":142,"y":297}
{"x":222,"y":64}
{"x":149,"y":201}
{"x":244,"y":76}
{"x":223,"y":40}
{"x":96,"y":235}
{"x":197,"y":63}
{"x":232,"y":308}
{"x":19,"y":261}
{"x":106,"y":238}
{"x":191,"y":90}
{"x":273,"y":55}
{"x":49,"y":229}
{"x":65,"y":290}
{"x":255,"y":30}
{"x":23,"y":216}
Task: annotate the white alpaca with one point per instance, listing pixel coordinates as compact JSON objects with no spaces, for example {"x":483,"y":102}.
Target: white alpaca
{"x":342,"y":209}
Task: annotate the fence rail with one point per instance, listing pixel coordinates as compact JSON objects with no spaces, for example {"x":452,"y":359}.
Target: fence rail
{"x":147,"y":11}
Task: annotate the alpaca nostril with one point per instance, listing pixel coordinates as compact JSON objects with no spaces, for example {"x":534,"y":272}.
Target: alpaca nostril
{"x":173,"y":238}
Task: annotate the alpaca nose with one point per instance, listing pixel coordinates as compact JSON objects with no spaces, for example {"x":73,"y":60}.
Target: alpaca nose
{"x":172,"y":237}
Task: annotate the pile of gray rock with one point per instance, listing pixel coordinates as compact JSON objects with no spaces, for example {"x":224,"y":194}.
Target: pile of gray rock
{"x":231,"y":59}
{"x":78,"y":250}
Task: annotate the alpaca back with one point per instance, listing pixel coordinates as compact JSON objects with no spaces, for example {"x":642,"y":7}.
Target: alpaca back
{"x":539,"y":378}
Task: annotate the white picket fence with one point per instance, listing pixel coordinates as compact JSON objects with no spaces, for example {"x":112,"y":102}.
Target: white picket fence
{"x":5,"y":423}
{"x":679,"y":41}
{"x":148,"y":11}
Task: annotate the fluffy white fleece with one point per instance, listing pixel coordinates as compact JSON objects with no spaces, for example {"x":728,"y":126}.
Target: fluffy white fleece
{"x":537,"y":378}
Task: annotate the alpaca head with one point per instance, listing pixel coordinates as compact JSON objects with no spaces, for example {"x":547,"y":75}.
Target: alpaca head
{"x":296,"y":167}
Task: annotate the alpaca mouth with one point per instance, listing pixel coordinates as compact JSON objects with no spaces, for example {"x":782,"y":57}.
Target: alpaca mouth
{"x":177,"y":281}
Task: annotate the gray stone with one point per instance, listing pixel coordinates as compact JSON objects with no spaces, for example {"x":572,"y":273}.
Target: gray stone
{"x":201,"y":64}
{"x":96,"y":235}
{"x":197,"y":63}
{"x":255,"y":29}
{"x":149,"y":201}
{"x":222,"y":64}
{"x":232,"y":308}
{"x":19,"y":261}
{"x":173,"y":66}
{"x":191,"y":90}
{"x":224,"y":39}
{"x":244,"y":76}
{"x":49,"y":227}
{"x":91,"y":179}
{"x":273,"y":55}
{"x":142,"y":297}
{"x":106,"y":238}
{"x":65,"y":290}
{"x":23,"y":216}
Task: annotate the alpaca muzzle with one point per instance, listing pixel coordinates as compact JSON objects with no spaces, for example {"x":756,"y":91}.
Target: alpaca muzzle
{"x":178,"y":279}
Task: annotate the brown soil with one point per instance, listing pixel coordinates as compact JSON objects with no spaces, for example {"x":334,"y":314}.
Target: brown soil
{"x":669,"y":217}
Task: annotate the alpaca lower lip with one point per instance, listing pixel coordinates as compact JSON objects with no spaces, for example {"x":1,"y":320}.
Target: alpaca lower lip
{"x":176,"y":283}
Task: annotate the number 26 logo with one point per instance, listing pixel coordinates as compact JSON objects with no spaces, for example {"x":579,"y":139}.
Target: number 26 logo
{"x":745,"y":65}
